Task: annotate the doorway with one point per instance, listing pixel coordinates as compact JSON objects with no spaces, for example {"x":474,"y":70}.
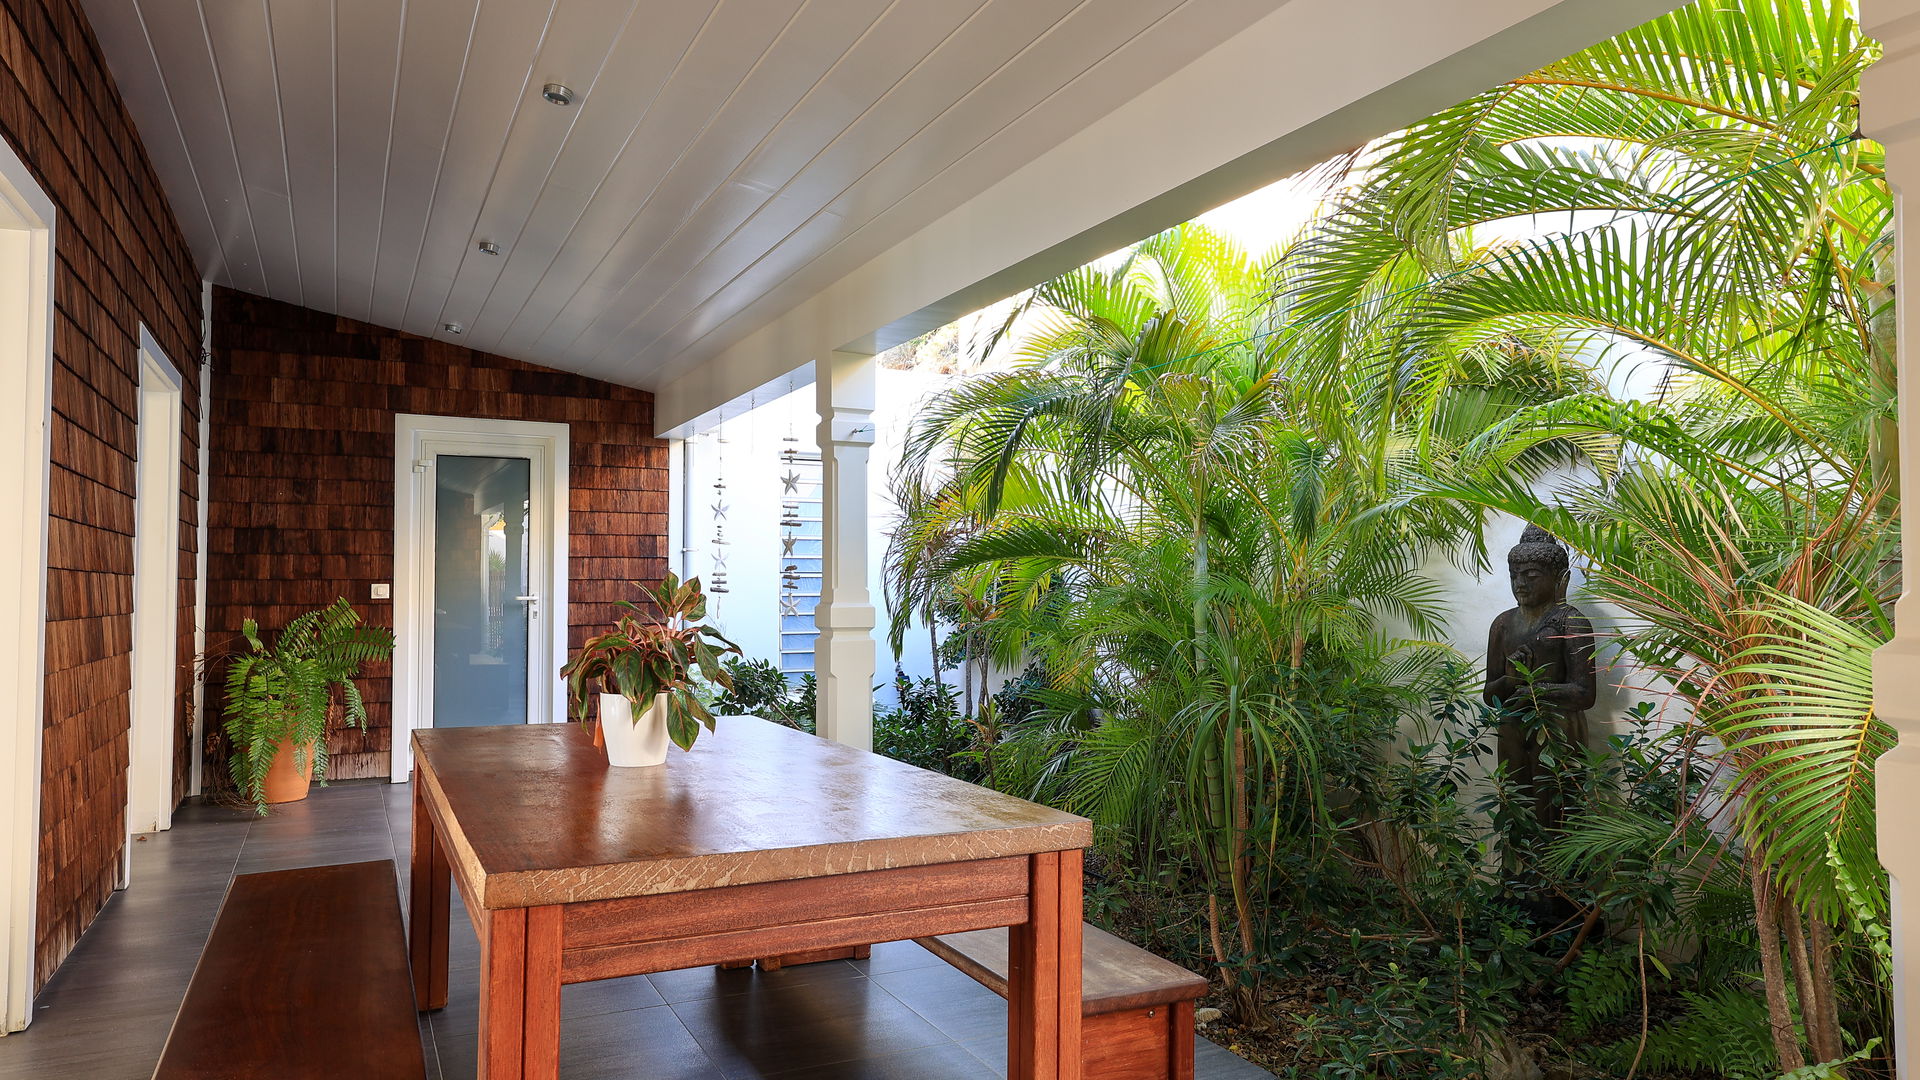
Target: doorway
{"x":480,"y":531}
{"x":26,"y":423}
{"x":154,"y":705}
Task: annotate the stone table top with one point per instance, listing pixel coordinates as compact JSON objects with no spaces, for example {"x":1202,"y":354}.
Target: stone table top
{"x":532,"y":814}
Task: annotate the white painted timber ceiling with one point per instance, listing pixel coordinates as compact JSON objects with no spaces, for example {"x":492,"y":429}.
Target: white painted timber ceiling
{"x":721,"y":162}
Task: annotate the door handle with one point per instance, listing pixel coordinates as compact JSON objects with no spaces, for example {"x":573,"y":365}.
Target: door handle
{"x":527,"y":598}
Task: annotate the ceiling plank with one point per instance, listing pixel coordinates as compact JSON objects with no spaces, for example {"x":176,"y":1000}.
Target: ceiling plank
{"x":179,"y":38}
{"x":1007,"y":39}
{"x":1176,"y":35}
{"x":706,"y":73}
{"x":366,"y":57}
{"x":749,"y":173}
{"x":610,"y":64}
{"x":302,"y":46}
{"x":243,"y":56}
{"x":496,"y":86}
{"x":437,"y":34}
{"x":122,"y":35}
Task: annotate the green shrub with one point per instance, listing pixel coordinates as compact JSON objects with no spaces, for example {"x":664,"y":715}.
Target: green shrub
{"x":763,"y":690}
{"x":926,"y":728}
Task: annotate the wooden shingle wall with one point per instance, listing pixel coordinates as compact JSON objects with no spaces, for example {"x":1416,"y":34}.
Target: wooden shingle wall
{"x":300,"y":490}
{"x":120,"y":261}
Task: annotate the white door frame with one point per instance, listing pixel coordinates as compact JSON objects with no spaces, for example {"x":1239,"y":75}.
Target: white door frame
{"x":417,"y":439}
{"x":27,"y":218}
{"x":154,"y":705}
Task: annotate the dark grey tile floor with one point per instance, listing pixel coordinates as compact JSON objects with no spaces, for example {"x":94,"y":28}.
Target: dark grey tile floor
{"x":903,"y":1015}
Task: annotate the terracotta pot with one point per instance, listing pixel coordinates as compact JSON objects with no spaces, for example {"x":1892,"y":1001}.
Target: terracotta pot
{"x":633,"y":741}
{"x":286,"y":783}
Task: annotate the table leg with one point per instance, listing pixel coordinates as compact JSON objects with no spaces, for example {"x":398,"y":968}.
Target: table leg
{"x":1181,"y":1065}
{"x":520,"y":994}
{"x":429,"y":892}
{"x":1043,"y":973}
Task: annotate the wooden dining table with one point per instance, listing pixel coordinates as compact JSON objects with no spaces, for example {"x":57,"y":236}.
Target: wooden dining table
{"x":761,"y":841}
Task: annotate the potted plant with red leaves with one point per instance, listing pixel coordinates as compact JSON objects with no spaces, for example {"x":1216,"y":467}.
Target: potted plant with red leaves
{"x":649,"y":669}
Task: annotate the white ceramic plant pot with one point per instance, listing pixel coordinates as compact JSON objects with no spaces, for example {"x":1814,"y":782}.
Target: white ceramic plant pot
{"x":633,"y":742}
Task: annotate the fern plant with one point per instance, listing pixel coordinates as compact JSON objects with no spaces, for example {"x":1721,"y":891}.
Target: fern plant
{"x":1723,"y":1032}
{"x":279,"y":695}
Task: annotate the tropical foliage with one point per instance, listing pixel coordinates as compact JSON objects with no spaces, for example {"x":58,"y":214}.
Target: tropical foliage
{"x":1640,"y":298}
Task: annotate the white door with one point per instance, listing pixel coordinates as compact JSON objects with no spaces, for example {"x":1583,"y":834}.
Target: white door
{"x":154,"y":707}
{"x":26,"y":420}
{"x":480,"y":581}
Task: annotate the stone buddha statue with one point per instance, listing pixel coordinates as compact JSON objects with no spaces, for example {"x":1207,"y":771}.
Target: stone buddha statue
{"x":1540,"y":659}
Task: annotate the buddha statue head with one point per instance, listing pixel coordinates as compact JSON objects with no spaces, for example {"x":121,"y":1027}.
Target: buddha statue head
{"x":1538,"y":566}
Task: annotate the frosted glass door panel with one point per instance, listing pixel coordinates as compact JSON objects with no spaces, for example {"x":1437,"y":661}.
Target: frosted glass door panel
{"x":481,"y":574}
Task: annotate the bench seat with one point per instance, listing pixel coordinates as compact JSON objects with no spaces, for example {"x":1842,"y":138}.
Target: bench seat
{"x":304,"y":977}
{"x":1137,"y":1007}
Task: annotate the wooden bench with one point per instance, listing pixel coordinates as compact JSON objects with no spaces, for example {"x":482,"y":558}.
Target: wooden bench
{"x":304,"y":977}
{"x":1137,"y":1007}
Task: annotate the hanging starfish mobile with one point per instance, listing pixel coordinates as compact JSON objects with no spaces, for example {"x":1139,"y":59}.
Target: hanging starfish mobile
{"x":719,"y":509}
{"x":791,"y":482}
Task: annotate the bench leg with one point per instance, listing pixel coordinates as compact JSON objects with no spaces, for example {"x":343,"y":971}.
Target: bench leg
{"x":429,"y":894}
{"x":815,"y":956}
{"x":1043,"y":973}
{"x":520,"y":995}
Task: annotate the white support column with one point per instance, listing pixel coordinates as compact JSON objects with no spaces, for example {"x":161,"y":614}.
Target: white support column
{"x":1890,"y":113}
{"x":843,"y":657}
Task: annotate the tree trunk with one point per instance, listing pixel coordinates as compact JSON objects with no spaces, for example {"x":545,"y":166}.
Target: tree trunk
{"x":933,"y":654}
{"x":966,"y":675}
{"x":1250,"y":1012}
{"x":1201,"y":574}
{"x":1789,"y":919}
{"x":1227,"y":978}
{"x":1883,"y":439}
{"x":1786,"y":1045}
{"x":1823,"y":1015}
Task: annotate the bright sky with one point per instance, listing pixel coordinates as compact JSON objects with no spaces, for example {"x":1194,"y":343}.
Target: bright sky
{"x":1260,"y":221}
{"x":1267,"y":217}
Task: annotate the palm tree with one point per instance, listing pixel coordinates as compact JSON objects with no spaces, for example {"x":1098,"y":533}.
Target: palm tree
{"x":1182,"y":534}
{"x":1709,"y":212}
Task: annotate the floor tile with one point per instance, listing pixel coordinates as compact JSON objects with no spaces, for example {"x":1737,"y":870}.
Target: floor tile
{"x":805,"y":1026}
{"x":962,"y":1009}
{"x":943,"y":1062}
{"x":649,"y":1043}
{"x":692,"y":984}
{"x":895,"y":956}
{"x":1211,"y":1061}
{"x":992,"y":1053}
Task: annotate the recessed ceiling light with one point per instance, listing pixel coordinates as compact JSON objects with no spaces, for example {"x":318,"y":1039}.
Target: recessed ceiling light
{"x":488,"y":247}
{"x":453,"y":328}
{"x":558,"y":93}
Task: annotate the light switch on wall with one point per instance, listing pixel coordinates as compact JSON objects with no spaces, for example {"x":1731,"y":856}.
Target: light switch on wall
{"x":382,"y":591}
